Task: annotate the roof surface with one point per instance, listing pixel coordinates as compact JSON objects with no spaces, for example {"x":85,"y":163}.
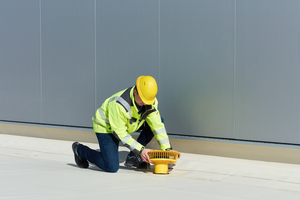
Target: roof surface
{"x":35,"y":168}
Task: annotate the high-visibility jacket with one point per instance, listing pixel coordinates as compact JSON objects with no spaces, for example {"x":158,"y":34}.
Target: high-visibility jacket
{"x":119,"y":115}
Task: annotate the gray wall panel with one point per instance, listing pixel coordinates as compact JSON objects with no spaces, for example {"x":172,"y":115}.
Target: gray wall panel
{"x":68,"y":66}
{"x":197,"y":67}
{"x":19,"y":60}
{"x":227,"y":69}
{"x":127,"y":44}
{"x":267,"y":71}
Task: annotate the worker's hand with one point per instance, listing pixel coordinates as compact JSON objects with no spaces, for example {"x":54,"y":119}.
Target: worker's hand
{"x":145,"y":155}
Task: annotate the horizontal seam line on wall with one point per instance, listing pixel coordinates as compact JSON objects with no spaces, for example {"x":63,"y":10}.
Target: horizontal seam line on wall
{"x":170,"y":134}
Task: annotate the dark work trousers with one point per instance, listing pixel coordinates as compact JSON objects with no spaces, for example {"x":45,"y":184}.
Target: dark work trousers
{"x":108,"y":157}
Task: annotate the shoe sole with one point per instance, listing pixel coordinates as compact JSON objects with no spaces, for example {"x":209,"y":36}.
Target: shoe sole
{"x":128,"y":165}
{"x":133,"y":166}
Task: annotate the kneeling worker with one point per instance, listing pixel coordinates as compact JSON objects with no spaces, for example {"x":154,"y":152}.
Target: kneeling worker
{"x":125,"y":112}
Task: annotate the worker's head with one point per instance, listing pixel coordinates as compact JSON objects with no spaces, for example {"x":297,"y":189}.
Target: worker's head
{"x":146,"y":90}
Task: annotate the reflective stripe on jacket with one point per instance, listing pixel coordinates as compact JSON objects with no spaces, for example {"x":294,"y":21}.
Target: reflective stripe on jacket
{"x":119,"y":115}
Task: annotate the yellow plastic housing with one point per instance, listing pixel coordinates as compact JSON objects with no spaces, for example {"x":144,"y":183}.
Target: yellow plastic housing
{"x":161,"y":159}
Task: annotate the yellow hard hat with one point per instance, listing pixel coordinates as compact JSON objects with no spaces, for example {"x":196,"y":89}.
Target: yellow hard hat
{"x":147,"y":89}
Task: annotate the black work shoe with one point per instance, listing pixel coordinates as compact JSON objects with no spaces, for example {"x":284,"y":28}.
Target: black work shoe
{"x":136,"y":161}
{"x":81,"y":162}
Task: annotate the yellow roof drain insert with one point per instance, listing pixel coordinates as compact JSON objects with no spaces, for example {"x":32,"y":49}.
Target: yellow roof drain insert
{"x":161,"y":159}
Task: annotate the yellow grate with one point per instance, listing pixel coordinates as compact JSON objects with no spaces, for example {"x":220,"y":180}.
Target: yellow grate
{"x":161,"y":159}
{"x":163,"y":155}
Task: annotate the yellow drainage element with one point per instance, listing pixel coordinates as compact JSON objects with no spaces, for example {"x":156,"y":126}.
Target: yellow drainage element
{"x":161,"y":159}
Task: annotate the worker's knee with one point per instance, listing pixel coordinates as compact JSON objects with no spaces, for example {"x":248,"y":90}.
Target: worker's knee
{"x":113,"y":169}
{"x":111,"y":165}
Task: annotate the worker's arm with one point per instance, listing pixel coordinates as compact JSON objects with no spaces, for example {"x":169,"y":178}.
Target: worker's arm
{"x":159,"y":131}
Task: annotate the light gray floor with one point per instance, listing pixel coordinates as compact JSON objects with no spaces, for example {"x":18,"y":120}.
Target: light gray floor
{"x":34,"y":168}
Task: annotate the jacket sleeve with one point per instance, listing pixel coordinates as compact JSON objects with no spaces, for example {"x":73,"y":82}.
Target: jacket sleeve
{"x":118,"y":118}
{"x":158,"y":129}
